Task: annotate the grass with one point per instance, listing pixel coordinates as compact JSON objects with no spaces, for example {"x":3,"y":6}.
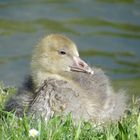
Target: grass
{"x":63,"y":128}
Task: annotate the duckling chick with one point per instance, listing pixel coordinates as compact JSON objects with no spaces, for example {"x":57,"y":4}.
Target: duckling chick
{"x":61,"y":83}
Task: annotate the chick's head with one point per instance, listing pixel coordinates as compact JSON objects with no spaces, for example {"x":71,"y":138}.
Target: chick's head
{"x":56,"y":55}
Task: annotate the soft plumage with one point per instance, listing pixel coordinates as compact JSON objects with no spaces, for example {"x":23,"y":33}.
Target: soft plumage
{"x":61,"y":82}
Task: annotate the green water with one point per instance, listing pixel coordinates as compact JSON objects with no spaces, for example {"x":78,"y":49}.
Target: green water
{"x":107,"y":33}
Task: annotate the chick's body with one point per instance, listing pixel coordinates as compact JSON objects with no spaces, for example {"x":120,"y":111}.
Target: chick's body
{"x":62,"y":83}
{"x":93,"y":99}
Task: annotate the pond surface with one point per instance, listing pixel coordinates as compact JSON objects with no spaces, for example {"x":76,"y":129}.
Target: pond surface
{"x":107,"y":33}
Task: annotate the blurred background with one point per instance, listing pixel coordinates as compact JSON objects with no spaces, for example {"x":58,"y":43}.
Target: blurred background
{"x":107,"y":33}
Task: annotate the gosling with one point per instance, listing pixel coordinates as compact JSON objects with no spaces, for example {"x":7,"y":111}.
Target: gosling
{"x":61,"y":83}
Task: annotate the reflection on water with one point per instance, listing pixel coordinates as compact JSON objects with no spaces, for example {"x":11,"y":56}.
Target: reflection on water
{"x":107,"y":33}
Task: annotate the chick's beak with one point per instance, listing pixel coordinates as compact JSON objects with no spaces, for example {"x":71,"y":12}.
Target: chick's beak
{"x":80,"y":66}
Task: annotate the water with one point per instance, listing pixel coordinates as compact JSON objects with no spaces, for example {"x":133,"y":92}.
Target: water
{"x":107,"y":33}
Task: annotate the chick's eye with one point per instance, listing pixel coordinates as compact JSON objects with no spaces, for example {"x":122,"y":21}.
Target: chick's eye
{"x":62,"y":52}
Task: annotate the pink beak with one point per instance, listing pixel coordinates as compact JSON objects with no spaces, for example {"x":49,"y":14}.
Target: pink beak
{"x":80,"y":66}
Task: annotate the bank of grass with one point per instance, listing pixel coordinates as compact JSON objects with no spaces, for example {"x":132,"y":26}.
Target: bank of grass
{"x":13,"y":128}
